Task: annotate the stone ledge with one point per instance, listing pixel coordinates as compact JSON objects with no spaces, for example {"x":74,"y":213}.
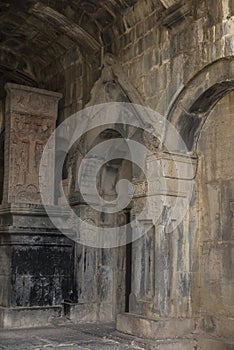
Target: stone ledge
{"x":33,"y":209}
{"x":81,"y":313}
{"x":22,"y":317}
{"x":215,"y":344}
{"x":26,"y":218}
{"x":12,"y":86}
{"x":154,"y":328}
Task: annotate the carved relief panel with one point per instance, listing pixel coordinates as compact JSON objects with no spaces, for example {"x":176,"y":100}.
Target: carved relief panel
{"x":30,"y":120}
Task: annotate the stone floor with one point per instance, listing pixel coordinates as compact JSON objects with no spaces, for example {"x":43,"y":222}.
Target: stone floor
{"x":68,"y":337}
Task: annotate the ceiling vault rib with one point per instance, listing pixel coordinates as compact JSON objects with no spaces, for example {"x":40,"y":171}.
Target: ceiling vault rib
{"x":169,"y":3}
{"x":62,"y":24}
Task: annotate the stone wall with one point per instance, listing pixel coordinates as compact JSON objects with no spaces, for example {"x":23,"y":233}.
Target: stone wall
{"x":160,"y":61}
{"x":73,"y":74}
{"x":160,"y":52}
{"x":159,"y":55}
{"x":216,"y":188}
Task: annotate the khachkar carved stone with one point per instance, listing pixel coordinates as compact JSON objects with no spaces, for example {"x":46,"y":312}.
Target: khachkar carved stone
{"x":36,"y":259}
{"x":30,"y":119}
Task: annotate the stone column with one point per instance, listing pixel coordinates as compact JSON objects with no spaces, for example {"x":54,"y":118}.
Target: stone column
{"x":36,"y":264}
{"x":163,"y":311}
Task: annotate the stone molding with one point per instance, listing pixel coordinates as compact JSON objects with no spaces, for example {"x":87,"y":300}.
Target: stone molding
{"x":33,"y":101}
{"x":176,"y":13}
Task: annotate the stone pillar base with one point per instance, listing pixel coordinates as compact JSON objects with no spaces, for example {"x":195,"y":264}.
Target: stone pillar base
{"x":36,"y":266}
{"x":81,"y":313}
{"x":155,"y":329}
{"x":88,"y":312}
{"x":23,"y":317}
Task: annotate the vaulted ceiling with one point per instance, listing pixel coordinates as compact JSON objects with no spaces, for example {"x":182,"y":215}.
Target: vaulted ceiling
{"x":33,"y":33}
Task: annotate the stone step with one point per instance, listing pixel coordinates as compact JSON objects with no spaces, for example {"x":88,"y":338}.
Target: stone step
{"x":155,"y":329}
{"x":24,"y":317}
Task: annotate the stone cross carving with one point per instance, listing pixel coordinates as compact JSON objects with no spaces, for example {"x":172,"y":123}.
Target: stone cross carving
{"x":30,"y":119}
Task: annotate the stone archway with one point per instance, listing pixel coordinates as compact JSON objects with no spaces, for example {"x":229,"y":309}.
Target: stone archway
{"x":176,"y":308}
{"x":199,"y":96}
{"x":203,"y":114}
{"x":215,"y":185}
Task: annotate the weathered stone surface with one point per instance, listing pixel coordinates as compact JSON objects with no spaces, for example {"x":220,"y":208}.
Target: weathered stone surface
{"x":216,"y":193}
{"x":154,"y":328}
{"x":28,"y":317}
{"x":68,"y":337}
{"x":30,"y":118}
{"x":34,"y":279}
{"x":177,"y":58}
